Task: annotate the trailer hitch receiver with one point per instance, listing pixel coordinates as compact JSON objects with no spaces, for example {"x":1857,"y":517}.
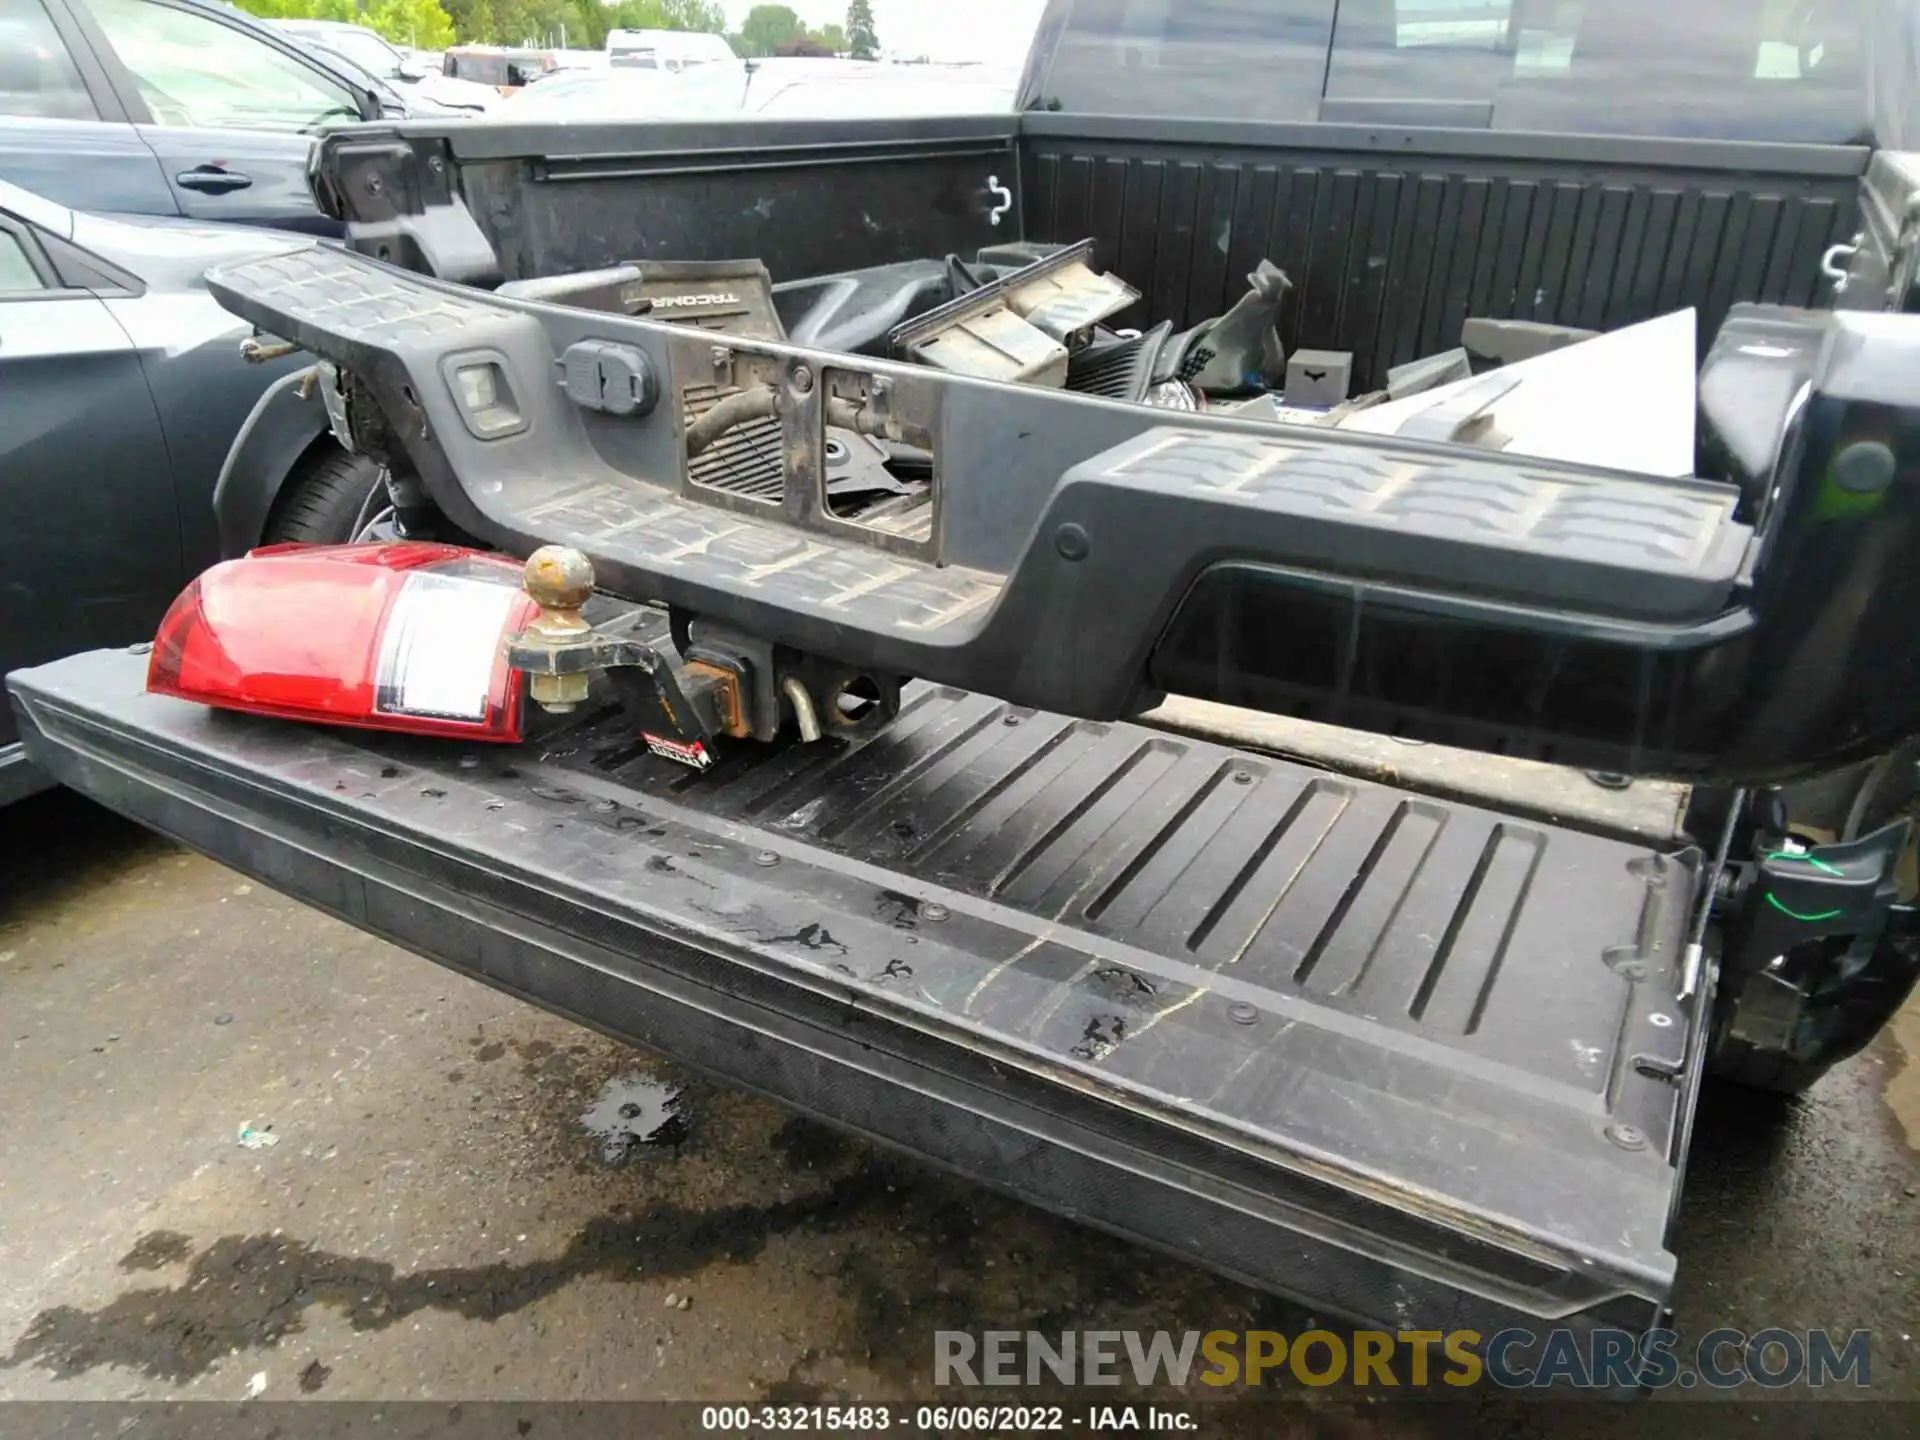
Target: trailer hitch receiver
{"x":708,"y":685}
{"x":681,"y":708}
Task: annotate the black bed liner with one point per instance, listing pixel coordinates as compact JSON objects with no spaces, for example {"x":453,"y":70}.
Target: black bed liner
{"x":1403,"y":1059}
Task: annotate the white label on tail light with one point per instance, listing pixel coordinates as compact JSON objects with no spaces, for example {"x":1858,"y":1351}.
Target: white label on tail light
{"x":440,"y":647}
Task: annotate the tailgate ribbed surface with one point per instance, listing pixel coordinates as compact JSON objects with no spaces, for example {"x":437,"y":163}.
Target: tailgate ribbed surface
{"x":1397,"y":908}
{"x":1368,"y":1048}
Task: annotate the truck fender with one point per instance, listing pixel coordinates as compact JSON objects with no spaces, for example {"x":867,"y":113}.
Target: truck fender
{"x":274,"y":440}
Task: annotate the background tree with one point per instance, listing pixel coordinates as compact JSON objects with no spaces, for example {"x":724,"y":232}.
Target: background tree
{"x":436,"y":24}
{"x":767,"y":28}
{"x":706,"y":16}
{"x":583,"y":24}
{"x":472,"y":19}
{"x":832,"y":39}
{"x":515,"y":22}
{"x":343,"y":10}
{"x":666,"y":15}
{"x":421,"y":23}
{"x":862,"y":41}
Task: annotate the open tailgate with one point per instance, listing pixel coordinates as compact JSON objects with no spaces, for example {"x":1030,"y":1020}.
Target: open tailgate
{"x":1406,"y":1060}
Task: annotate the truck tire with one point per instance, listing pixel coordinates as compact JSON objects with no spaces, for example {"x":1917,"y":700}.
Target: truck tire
{"x":1765,"y":1070}
{"x":1750,"y":1066}
{"x":322,"y":498}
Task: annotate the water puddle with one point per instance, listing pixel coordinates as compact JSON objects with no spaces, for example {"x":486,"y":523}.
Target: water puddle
{"x":637,"y":1112}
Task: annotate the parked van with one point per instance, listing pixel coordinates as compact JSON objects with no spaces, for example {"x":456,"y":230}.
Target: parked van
{"x":503,"y":68}
{"x":665,"y":49}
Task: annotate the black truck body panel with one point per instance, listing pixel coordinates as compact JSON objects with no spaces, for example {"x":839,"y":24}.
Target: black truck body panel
{"x":1881,"y":274}
{"x":1393,"y":1056}
{"x":1394,"y":237}
{"x":806,"y":198}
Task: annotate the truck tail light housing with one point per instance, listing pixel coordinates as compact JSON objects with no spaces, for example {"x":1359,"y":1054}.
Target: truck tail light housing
{"x":405,"y":636}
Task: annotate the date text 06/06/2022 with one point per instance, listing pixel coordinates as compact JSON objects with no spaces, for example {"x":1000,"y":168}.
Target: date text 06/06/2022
{"x":942,"y":1419}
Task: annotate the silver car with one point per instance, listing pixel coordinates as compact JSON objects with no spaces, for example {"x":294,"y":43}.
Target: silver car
{"x":366,"y":50}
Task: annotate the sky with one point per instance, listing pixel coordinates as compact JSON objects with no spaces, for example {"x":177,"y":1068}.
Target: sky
{"x":939,"y":29}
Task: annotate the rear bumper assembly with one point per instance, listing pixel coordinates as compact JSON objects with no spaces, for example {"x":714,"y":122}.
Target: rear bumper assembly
{"x":1083,"y":556}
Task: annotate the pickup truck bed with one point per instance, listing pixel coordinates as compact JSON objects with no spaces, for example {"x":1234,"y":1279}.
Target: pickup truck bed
{"x":1387,"y":1054}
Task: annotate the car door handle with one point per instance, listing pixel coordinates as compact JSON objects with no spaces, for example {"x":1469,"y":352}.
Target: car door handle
{"x":212,"y":180}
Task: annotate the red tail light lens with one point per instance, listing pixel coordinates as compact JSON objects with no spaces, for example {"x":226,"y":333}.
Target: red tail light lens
{"x":405,"y":636}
